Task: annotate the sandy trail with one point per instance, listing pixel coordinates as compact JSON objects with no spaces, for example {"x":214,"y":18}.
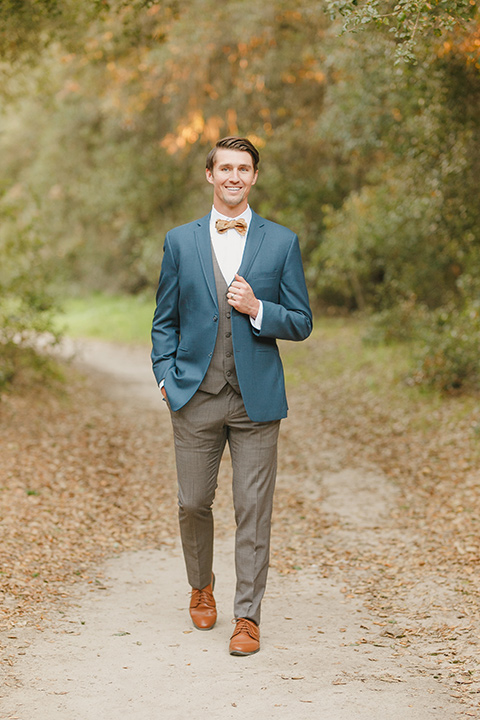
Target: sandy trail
{"x":126,"y":648}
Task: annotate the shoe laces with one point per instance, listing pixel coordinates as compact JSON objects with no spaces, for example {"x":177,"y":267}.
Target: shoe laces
{"x":247,"y":626}
{"x":202,"y":597}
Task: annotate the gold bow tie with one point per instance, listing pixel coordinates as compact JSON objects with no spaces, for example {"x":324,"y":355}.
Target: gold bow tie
{"x":239,"y":225}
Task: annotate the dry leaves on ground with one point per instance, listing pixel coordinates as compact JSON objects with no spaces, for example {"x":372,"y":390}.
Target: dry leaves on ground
{"x":83,"y":477}
{"x":419,"y":570}
{"x":78,"y":481}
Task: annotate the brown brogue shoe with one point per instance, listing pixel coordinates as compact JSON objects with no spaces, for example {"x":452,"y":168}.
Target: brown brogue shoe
{"x":203,"y":610}
{"x":246,"y":638}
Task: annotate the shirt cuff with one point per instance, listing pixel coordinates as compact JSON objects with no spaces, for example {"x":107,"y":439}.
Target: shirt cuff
{"x":257,"y":322}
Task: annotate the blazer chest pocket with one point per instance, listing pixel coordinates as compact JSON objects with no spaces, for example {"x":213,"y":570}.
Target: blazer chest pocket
{"x":265,"y":285}
{"x":264,"y":275}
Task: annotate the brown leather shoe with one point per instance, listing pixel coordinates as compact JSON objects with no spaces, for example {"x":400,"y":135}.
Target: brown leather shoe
{"x":203,"y":610}
{"x":245,"y":639}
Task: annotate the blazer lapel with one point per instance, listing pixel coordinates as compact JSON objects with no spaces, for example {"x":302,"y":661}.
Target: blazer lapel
{"x":255,"y":236}
{"x":204,"y":247}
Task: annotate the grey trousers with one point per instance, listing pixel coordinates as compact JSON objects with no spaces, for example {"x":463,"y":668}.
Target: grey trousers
{"x":201,"y":429}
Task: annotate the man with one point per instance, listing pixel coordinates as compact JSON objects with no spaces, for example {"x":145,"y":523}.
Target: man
{"x":230,"y":285}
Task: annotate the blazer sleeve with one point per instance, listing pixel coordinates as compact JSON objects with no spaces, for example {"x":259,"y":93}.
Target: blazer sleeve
{"x":166,"y":321}
{"x":291,"y":317}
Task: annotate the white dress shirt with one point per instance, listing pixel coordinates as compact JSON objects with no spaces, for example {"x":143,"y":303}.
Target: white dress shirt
{"x":228,"y":248}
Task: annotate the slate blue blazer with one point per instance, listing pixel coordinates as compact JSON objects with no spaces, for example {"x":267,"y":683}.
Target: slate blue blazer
{"x":185,"y":322}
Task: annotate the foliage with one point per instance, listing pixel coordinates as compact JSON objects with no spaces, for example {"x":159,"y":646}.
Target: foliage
{"x":114,"y":135}
{"x":372,"y":162}
{"x":404,"y":321}
{"x":412,"y":227}
{"x":406,"y":20}
{"x":445,"y":342}
{"x":450,"y":355}
{"x":28,"y":26}
{"x":26,"y":301}
{"x":405,"y":242}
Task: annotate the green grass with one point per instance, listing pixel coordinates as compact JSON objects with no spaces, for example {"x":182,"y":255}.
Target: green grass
{"x":336,"y":349}
{"x":118,"y":318}
{"x":336,"y":361}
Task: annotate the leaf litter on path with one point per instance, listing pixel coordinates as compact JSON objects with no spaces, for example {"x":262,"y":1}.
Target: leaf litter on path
{"x":84,"y":477}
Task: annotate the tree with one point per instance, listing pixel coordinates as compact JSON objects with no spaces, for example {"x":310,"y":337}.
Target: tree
{"x":409,"y":21}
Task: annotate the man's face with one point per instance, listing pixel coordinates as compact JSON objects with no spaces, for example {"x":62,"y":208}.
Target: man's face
{"x":232,"y":178}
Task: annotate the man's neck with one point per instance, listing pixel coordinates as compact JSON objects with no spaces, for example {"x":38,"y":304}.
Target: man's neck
{"x":231,"y":212}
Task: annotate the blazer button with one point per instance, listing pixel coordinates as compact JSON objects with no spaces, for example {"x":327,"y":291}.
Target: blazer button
{"x":215,"y":318}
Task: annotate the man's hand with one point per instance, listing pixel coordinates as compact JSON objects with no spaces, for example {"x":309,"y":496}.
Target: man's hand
{"x":240,"y":296}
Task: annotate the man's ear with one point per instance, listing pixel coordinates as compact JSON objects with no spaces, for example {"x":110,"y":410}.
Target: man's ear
{"x":255,"y":178}
{"x":209,"y":176}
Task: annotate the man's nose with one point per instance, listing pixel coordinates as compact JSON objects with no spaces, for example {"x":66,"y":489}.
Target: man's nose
{"x":234,"y":175}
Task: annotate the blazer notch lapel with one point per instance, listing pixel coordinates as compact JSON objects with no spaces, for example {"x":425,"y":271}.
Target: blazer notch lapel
{"x":204,"y":248}
{"x":255,"y":237}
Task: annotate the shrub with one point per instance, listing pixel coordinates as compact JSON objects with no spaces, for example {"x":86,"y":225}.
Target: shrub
{"x":27,"y":303}
{"x":450,"y":359}
{"x":403,"y":322}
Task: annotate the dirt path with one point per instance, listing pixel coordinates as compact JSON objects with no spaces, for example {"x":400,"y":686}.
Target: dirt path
{"x":126,"y":649}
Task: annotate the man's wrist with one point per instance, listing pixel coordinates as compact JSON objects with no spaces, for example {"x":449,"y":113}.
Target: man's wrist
{"x":161,"y":387}
{"x":255,"y":312}
{"x":256,"y":321}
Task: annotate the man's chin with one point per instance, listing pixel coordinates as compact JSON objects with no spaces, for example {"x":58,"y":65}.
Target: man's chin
{"x":233,"y":201}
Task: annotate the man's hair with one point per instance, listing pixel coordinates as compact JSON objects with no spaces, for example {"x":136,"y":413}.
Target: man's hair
{"x":234,"y":143}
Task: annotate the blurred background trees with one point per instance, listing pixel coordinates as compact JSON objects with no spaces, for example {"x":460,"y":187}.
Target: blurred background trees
{"x":369,"y":149}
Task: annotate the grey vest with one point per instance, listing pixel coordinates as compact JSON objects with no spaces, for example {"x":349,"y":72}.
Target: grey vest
{"x":222,"y":365}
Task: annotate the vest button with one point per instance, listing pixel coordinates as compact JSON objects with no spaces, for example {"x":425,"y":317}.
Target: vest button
{"x":228,"y":373}
{"x":228,"y":315}
{"x":228,"y":334}
{"x":228,"y":354}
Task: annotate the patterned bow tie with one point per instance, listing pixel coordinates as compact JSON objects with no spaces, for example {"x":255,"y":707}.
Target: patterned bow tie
{"x":239,"y":225}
